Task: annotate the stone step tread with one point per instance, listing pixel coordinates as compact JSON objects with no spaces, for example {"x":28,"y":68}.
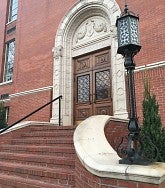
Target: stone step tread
{"x":7,"y":181}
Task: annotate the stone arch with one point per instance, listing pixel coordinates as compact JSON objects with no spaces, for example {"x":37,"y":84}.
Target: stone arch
{"x":65,"y":49}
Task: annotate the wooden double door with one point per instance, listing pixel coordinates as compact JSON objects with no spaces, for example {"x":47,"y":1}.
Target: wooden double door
{"x":92,"y":85}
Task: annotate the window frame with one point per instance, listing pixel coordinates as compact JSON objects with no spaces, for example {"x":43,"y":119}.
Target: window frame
{"x":6,"y":63}
{"x":12,"y":17}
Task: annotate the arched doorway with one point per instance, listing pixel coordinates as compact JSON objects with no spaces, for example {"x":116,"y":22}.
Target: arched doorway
{"x":88,"y":29}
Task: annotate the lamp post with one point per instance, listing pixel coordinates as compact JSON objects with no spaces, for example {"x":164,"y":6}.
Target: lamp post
{"x":129,"y":46}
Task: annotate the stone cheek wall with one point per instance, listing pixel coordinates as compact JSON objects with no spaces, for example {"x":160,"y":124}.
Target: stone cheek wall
{"x":84,"y":179}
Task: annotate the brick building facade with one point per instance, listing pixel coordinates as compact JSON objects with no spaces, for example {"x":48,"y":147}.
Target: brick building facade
{"x":48,"y":39}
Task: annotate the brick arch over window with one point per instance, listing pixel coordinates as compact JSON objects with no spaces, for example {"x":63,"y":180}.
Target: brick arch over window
{"x":71,"y":42}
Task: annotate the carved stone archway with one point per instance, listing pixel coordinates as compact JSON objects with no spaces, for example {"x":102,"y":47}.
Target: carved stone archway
{"x":88,"y":26}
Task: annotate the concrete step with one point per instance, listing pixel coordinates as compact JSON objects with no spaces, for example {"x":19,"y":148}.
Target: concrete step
{"x":39,"y":150}
{"x":38,"y":160}
{"x":9,"y":181}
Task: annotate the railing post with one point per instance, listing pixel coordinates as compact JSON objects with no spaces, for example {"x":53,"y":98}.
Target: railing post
{"x":59,"y":121}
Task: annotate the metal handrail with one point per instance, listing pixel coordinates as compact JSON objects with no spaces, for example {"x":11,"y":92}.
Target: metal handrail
{"x":38,"y":109}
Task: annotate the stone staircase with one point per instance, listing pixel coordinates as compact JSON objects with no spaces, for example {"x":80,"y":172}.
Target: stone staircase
{"x":41,"y":157}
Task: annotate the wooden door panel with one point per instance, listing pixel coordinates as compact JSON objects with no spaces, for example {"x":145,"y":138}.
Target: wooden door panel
{"x":83,"y":64}
{"x":103,"y":108}
{"x":92,"y":86}
{"x":101,"y":59}
{"x":82,"y":112}
{"x":83,"y":98}
{"x":102,"y":88}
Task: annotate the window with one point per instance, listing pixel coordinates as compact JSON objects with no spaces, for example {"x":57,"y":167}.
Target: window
{"x":7,"y":113}
{"x":8,"y":71}
{"x":4,"y":114}
{"x":13,"y":9}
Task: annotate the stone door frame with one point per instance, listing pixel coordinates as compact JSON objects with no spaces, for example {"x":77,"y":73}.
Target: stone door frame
{"x":65,"y":49}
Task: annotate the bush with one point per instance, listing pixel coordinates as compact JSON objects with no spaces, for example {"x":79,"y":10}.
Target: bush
{"x":152,"y":126}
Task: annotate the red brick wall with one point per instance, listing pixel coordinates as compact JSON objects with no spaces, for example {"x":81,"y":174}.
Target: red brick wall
{"x":156,"y":79}
{"x":114,"y":131}
{"x":85,"y":179}
{"x":36,"y":28}
{"x":22,"y":105}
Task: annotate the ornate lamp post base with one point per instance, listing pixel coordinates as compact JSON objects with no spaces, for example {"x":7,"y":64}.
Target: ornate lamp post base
{"x":134,"y":152}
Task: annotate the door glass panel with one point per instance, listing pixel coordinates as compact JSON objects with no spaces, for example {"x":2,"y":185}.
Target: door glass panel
{"x":83,"y":88}
{"x":102,"y":84}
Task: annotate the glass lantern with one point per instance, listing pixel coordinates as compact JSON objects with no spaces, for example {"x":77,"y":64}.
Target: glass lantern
{"x":128,"y":34}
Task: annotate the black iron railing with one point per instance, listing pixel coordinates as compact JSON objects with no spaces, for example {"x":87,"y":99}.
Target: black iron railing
{"x":38,"y":109}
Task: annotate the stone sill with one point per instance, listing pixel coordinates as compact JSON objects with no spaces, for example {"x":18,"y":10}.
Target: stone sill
{"x":99,"y":158}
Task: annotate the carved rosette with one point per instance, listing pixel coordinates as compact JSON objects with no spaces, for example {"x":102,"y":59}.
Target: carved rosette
{"x":90,"y":29}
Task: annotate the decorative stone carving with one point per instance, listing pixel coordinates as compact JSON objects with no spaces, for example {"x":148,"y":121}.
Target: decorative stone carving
{"x":81,"y":33}
{"x":119,"y":74}
{"x":120,"y":91}
{"x":100,"y":26}
{"x":58,"y":52}
{"x":114,"y":8}
{"x":92,"y":27}
{"x":113,"y":31}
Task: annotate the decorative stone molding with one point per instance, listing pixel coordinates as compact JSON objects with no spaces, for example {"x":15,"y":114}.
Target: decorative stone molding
{"x":150,"y":66}
{"x":88,"y":26}
{"x":31,"y":91}
{"x":91,"y":28}
{"x":113,"y":31}
{"x":58,"y":52}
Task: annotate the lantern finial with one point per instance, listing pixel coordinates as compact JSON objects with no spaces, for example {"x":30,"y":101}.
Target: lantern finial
{"x":126,"y":8}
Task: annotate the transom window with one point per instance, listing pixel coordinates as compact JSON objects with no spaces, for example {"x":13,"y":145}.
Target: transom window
{"x":13,"y":9}
{"x":9,"y":63}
